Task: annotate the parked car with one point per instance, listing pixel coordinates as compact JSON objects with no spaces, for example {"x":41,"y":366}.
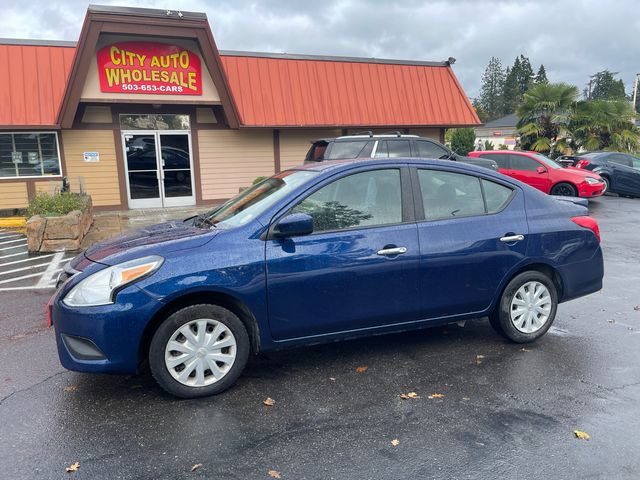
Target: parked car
{"x":620,"y":171}
{"x":395,"y":145}
{"x":545,"y":174}
{"x":328,"y":251}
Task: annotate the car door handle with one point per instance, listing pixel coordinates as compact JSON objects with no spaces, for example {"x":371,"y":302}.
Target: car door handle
{"x":392,"y":251}
{"x":512,"y":238}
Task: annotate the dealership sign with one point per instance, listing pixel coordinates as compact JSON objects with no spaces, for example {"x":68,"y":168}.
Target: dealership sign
{"x":145,"y":67}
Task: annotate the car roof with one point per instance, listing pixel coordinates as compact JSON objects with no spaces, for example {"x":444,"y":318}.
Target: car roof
{"x":345,"y":138}
{"x":343,"y":165}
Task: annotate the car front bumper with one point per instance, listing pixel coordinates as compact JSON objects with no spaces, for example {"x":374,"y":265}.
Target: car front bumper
{"x":588,"y":190}
{"x":105,"y":338}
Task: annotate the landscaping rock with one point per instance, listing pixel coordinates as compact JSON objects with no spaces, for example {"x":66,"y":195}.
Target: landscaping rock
{"x":35,"y":232}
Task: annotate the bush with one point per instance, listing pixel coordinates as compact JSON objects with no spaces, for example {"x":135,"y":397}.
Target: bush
{"x":463,"y":141}
{"x":47,"y":205}
{"x":258,"y":180}
{"x":488,"y":145}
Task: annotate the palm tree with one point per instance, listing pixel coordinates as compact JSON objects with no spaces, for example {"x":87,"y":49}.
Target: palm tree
{"x":544,"y":115}
{"x":605,"y":125}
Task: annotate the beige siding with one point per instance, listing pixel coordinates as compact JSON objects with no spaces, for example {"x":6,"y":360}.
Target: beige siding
{"x":294,"y":144}
{"x":230,"y":159}
{"x":433,"y":133}
{"x":13,"y":195}
{"x":100,"y":178}
{"x":48,"y":187}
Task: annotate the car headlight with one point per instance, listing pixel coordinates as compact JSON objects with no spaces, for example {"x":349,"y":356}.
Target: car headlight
{"x":99,"y":288}
{"x":593,"y":180}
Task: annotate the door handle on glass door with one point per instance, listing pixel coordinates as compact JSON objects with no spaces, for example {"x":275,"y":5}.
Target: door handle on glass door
{"x":392,"y":251}
{"x":512,"y":238}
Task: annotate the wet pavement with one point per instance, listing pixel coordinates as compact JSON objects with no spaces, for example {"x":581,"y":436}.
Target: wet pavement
{"x":508,"y":411}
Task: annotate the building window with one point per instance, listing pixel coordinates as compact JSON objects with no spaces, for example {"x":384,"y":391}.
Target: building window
{"x":29,"y":154}
{"x":154,"y":121}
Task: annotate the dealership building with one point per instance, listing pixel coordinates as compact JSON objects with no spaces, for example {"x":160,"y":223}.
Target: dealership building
{"x":145,"y":112}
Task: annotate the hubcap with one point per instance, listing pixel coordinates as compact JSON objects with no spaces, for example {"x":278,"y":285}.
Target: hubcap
{"x":200,"y":352}
{"x":530,"y":307}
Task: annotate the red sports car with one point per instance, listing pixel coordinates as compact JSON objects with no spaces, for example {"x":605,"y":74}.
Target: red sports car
{"x":544,"y":174}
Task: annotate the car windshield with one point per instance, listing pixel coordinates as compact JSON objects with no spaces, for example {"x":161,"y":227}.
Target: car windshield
{"x":255,"y":200}
{"x":546,"y":160}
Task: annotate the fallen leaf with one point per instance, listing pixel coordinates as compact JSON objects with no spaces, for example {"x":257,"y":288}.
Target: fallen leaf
{"x":362,"y":369}
{"x":333,"y":379}
{"x":274,"y":474}
{"x":196,"y":467}
{"x":436,"y":395}
{"x":71,"y":388}
{"x":636,"y":308}
{"x":524,"y":349}
{"x":611,"y":320}
{"x":581,"y":435}
{"x":479,"y":359}
{"x":74,"y":467}
{"x":269,"y":402}
{"x":395,"y":442}
{"x":466,"y":398}
{"x":407,"y":396}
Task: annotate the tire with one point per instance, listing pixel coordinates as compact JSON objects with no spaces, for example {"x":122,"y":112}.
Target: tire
{"x":213,"y":367}
{"x":564,"y":189}
{"x":607,"y":185}
{"x":526,"y":327}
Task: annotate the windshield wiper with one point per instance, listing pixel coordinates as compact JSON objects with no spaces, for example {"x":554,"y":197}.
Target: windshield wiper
{"x":201,"y":219}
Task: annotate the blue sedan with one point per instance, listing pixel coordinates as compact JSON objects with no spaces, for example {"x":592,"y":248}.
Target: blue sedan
{"x":323,"y":252}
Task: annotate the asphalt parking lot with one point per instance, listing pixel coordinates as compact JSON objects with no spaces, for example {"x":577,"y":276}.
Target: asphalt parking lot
{"x":501,"y":410}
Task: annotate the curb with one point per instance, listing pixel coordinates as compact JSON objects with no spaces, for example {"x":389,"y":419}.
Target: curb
{"x":12,"y":222}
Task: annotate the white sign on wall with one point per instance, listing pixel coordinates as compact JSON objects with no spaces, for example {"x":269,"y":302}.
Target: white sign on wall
{"x":92,"y":157}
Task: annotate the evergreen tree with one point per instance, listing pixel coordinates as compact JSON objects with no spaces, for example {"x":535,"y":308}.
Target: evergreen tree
{"x":525,"y":75}
{"x":541,"y":76}
{"x":491,"y":90}
{"x":510,"y":93}
{"x":605,"y":87}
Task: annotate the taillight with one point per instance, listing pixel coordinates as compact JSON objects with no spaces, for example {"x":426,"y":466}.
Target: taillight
{"x":582,"y":163}
{"x":588,"y":222}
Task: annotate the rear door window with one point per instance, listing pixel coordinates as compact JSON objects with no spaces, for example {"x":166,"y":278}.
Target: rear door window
{"x":526,"y":164}
{"x":393,"y":149}
{"x":500,"y":159}
{"x":428,"y":149}
{"x":496,"y":196}
{"x":450,"y":195}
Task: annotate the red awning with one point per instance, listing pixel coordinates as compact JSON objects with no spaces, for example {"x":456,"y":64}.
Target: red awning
{"x":278,"y":92}
{"x":32,"y":83}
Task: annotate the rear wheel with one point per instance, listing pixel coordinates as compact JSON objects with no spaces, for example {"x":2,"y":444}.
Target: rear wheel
{"x":564,"y":189}
{"x":527,"y":307}
{"x":198,"y":351}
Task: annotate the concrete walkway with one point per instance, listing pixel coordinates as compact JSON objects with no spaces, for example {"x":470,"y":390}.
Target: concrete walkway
{"x":109,"y":224}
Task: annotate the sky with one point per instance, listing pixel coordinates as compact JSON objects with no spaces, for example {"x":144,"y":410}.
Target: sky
{"x":573,"y":39}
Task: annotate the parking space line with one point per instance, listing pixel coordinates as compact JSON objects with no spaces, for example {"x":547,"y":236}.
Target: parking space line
{"x":48,"y":275}
{"x":22,"y":269}
{"x":9,"y":280}
{"x":30,"y":259}
{"x":14,"y":241}
{"x":13,"y":255}
{"x":11,"y":289}
{"x":17,"y":246}
{"x":3,"y":237}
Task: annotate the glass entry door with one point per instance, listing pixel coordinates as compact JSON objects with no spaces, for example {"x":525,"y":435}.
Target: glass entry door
{"x":159,"y":168}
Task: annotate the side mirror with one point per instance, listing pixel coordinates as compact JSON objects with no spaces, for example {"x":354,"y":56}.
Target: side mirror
{"x":541,"y":170}
{"x":294,"y":225}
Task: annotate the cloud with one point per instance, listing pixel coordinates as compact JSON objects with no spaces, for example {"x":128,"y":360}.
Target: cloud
{"x":572,"y":38}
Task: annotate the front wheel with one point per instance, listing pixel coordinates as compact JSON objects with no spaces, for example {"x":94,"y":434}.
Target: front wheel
{"x":527,"y":307}
{"x":606,"y":185}
{"x":564,"y":189}
{"x":198,"y":351}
